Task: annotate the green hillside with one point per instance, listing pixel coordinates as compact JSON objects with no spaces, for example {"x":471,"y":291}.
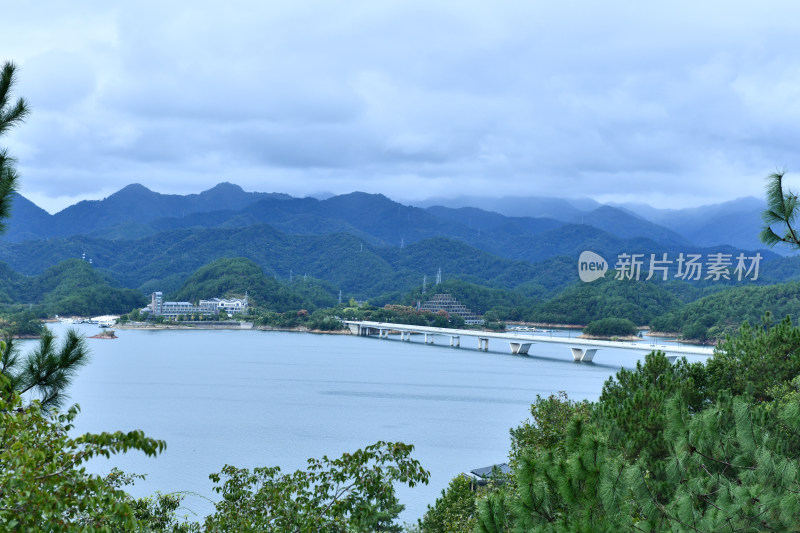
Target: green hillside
{"x":164,"y":261}
{"x":238,"y":276}
{"x":637,"y":301}
{"x":72,"y":287}
{"x":726,"y":310}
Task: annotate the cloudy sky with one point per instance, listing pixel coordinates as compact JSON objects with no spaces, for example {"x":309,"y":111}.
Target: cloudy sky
{"x":671,"y":103}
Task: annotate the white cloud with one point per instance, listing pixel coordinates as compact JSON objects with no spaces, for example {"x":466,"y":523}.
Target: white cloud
{"x":684,"y":102}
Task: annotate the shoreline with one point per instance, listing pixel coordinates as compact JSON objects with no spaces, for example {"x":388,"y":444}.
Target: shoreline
{"x":238,"y":326}
{"x":346,"y":331}
{"x":545,"y":325}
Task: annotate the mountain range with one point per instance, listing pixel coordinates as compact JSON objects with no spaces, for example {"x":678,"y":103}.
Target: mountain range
{"x":365,"y":243}
{"x":135,"y":211}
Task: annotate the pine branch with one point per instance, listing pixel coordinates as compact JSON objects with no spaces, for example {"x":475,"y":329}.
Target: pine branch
{"x":781,"y":209}
{"x":701,"y":454}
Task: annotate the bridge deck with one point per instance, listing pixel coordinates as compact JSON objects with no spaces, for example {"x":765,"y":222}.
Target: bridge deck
{"x":516,"y":337}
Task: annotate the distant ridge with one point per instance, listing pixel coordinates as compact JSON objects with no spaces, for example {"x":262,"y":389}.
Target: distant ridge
{"x":737,"y":222}
{"x":133,"y":204}
{"x":136,"y":212}
{"x":519,"y":206}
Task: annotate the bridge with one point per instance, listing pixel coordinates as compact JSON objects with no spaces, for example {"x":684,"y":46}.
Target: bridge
{"x":583,"y":350}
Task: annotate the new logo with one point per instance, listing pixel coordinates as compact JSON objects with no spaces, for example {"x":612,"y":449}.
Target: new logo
{"x":591,"y":266}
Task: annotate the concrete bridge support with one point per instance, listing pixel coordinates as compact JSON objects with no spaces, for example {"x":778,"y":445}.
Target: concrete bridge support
{"x":583,"y":356}
{"x":455,"y":340}
{"x":520,"y":347}
{"x":483,"y":344}
{"x":429,"y":338}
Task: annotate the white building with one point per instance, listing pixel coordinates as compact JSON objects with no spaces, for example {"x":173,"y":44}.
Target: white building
{"x":231,"y":306}
{"x":212,"y":307}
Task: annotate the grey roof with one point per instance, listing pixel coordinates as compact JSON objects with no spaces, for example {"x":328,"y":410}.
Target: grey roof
{"x":486,"y":471}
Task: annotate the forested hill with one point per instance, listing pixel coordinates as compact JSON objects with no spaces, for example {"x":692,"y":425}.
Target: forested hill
{"x":723,"y":312}
{"x":698,"y":312}
{"x":366,"y":245}
{"x":165,"y":261}
{"x":71,"y":287}
{"x":136,"y":212}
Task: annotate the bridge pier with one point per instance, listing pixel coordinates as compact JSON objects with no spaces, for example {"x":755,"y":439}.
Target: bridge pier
{"x":455,"y":340}
{"x":427,"y":336}
{"x":584,"y":356}
{"x":520,"y":347}
{"x":483,"y":343}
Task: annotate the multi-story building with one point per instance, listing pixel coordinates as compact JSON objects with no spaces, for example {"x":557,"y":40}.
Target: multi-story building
{"x":231,"y":306}
{"x":212,"y":307}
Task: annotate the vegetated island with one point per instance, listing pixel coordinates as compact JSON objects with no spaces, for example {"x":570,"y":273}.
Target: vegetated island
{"x":611,"y":328}
{"x":105,"y":334}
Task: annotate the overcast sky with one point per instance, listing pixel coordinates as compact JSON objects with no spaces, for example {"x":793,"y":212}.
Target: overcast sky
{"x":670,"y":103}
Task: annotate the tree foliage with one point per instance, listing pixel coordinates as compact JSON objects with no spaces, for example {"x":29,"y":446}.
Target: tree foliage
{"x":43,"y":483}
{"x":782,"y":210}
{"x":22,"y":324}
{"x":756,"y":360}
{"x":354,"y":493}
{"x":46,"y":372}
{"x":611,"y":327}
{"x":637,"y":301}
{"x":667,"y":447}
{"x":454,"y":512}
{"x":235,"y":277}
{"x":547,"y":425}
{"x":12,"y":113}
{"x":720,"y":314}
{"x":72,"y":287}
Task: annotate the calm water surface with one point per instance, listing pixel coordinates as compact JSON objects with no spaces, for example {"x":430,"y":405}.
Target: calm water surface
{"x":253,"y":398}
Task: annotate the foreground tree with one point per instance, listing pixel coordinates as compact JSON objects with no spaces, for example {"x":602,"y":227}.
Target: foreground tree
{"x":725,"y":472}
{"x":11,"y":114}
{"x":547,"y":425}
{"x":46,"y":372}
{"x":43,"y":483}
{"x":633,"y":404}
{"x":354,"y":493}
{"x":667,"y":447}
{"x":453,"y":512}
{"x":781,"y":210}
{"x":756,"y":360}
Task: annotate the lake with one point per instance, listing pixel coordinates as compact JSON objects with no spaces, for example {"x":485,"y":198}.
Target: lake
{"x":256,"y":398}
